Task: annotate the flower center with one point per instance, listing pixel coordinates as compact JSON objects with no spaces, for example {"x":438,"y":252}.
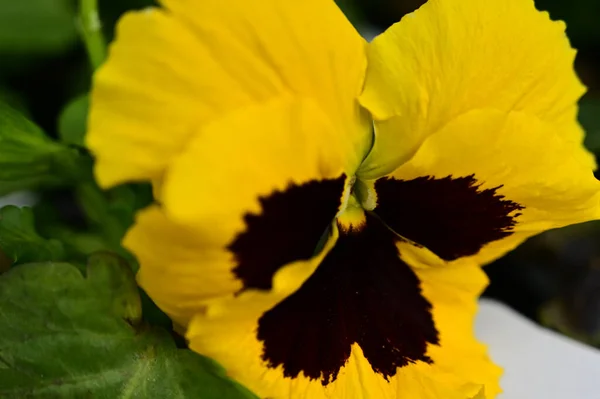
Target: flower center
{"x":359,"y":197}
{"x":353,"y":217}
{"x":366,"y":194}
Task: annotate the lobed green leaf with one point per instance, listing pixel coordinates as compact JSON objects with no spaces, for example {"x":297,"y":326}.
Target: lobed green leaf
{"x":29,"y":159}
{"x":19,"y":240}
{"x":69,"y":336}
{"x":72,"y":122}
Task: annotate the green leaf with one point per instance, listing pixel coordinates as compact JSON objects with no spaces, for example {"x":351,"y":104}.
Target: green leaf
{"x":5,"y":262}
{"x":72,"y":123}
{"x":80,"y":244}
{"x":108,"y":215}
{"x":112,"y":212}
{"x":69,"y":336}
{"x":13,"y":99}
{"x":152,"y":314}
{"x":77,"y":239}
{"x":19,"y":240}
{"x":36,"y":26}
{"x":29,"y":159}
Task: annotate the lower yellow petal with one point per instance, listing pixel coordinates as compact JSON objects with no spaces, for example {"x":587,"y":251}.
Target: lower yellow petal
{"x":460,"y":360}
{"x":180,"y":267}
{"x":230,"y":330}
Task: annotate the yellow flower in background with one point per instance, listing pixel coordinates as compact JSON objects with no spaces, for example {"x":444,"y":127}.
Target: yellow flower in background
{"x":308,"y":253}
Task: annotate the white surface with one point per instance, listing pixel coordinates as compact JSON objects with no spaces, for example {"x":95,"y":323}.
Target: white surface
{"x":22,"y":198}
{"x":538,"y":363}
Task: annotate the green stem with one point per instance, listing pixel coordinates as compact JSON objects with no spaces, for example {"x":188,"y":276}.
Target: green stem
{"x":91,"y":32}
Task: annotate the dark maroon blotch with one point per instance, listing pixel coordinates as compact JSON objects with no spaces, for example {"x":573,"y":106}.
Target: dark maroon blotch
{"x":288,"y":229}
{"x":450,"y":216}
{"x":361,"y":293}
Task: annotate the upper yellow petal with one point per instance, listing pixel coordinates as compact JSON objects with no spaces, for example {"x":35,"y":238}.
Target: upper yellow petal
{"x":450,"y":57}
{"x":219,"y":189}
{"x":173,"y":70}
{"x":251,"y":153}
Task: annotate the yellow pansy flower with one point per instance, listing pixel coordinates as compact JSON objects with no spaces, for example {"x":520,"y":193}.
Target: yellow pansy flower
{"x":324,"y":204}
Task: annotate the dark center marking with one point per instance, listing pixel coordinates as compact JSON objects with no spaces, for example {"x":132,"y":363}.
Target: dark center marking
{"x":289,"y":228}
{"x":361,"y":293}
{"x":449,"y":216}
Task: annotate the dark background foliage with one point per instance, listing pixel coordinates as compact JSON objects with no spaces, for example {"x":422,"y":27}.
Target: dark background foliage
{"x":553,"y":279}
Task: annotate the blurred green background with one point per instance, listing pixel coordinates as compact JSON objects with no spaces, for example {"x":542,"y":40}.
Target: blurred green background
{"x":44,"y":72}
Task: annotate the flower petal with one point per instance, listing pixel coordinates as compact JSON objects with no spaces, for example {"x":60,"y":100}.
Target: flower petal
{"x":354,"y":328}
{"x":172,"y":71}
{"x":453,"y":291}
{"x":450,"y":57}
{"x":254,"y":191}
{"x":486,"y":182}
{"x":181,"y":267}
